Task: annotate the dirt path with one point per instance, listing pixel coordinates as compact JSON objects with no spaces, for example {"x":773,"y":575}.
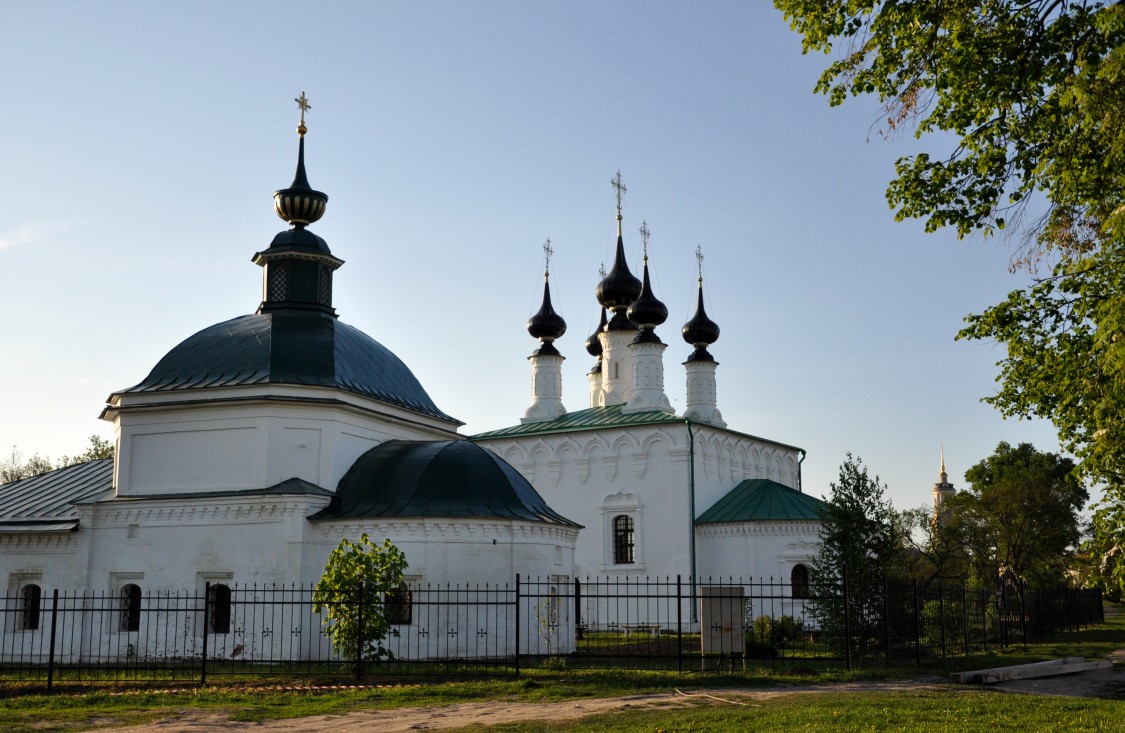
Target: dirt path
{"x":1100,"y":683}
{"x":404,"y":720}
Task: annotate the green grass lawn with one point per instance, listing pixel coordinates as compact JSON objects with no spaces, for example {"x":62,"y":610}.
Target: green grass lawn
{"x":26,"y":709}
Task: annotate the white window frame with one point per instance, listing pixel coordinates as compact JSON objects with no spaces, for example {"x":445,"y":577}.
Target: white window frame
{"x":613,"y":506}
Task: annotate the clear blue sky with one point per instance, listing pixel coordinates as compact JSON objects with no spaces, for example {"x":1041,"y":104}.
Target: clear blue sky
{"x":143,"y":142}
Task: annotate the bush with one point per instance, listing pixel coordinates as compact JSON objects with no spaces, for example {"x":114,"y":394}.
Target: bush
{"x":354,"y":593}
{"x":768,"y":634}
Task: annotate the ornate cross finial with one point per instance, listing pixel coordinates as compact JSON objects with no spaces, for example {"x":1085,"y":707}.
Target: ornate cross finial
{"x":601,"y":271}
{"x":548,"y":250}
{"x":699,"y":260}
{"x":644,"y":236}
{"x":302,"y":102}
{"x":618,"y":186}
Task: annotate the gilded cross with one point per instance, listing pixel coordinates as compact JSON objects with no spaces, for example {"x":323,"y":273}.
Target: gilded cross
{"x":618,"y":186}
{"x":644,"y":236}
{"x":601,"y":271}
{"x":303,"y":102}
{"x":699,"y":260}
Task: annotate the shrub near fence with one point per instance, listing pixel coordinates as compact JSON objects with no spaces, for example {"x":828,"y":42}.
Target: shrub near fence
{"x":671,"y":623}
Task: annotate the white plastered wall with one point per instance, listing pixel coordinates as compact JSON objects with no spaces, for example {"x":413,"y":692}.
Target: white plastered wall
{"x":642,"y":471}
{"x":248,"y":438}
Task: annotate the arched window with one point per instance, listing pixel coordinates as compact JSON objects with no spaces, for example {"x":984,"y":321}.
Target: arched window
{"x":218,"y":609}
{"x":130,"y":607}
{"x":799,"y":579}
{"x":623,"y":536}
{"x":399,"y":606}
{"x":31,"y":596}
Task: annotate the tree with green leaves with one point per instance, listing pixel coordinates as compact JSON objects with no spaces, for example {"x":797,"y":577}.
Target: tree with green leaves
{"x":361,"y":582}
{"x":1101,"y":557}
{"x":16,"y":467}
{"x":860,"y":546}
{"x":1019,"y":516}
{"x":935,"y":549}
{"x":1032,"y":93}
{"x":98,"y":449}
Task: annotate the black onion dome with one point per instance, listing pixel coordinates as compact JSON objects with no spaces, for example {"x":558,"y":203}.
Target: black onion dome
{"x":299,"y":204}
{"x":279,"y":347}
{"x":700,"y":331}
{"x":619,"y":288}
{"x":546,"y":324}
{"x":647,"y":311}
{"x":450,"y":478}
{"x":593,"y":343}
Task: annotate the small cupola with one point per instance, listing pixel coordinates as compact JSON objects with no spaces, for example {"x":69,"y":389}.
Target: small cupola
{"x":546,"y":325}
{"x":647,"y":311}
{"x":702,"y":386}
{"x":617,"y":290}
{"x":594,"y":344}
{"x":700,"y":331}
{"x":298,"y":265}
{"x":546,"y":361}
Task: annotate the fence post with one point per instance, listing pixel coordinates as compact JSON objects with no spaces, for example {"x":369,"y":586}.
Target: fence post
{"x":206,"y":624}
{"x":517,"y":624}
{"x":1023,"y":611}
{"x":51,"y":648}
{"x":577,"y":608}
{"x":359,"y":635}
{"x":886,"y":622}
{"x":679,"y":623}
{"x":965,"y":617}
{"x":1002,"y":612}
{"x":941,"y":614}
{"x":847,"y":624}
{"x":917,"y":628}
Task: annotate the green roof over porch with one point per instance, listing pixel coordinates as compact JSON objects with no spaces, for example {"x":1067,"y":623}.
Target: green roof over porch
{"x":759,"y":500}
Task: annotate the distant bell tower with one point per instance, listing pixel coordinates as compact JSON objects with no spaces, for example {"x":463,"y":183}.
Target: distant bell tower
{"x":942,"y":489}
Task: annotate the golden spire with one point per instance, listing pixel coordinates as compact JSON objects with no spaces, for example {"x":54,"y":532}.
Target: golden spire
{"x":302,"y":102}
{"x":943,"y":474}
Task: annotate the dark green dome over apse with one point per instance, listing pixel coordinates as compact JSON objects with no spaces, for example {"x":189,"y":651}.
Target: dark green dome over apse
{"x":300,"y":348}
{"x":448,"y":478}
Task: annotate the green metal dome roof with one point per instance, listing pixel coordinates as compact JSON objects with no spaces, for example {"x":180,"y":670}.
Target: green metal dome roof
{"x":760,"y":499}
{"x":279,"y":347}
{"x":449,"y":478}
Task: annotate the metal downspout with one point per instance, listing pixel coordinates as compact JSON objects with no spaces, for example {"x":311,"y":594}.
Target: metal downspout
{"x":691,"y":499}
{"x":800,"y":483}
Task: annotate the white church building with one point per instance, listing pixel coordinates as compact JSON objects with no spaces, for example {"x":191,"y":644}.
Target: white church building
{"x":659,"y":494}
{"x":256,"y":444}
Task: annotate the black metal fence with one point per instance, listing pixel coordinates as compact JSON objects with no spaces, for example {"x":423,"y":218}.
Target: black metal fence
{"x":672,"y":623}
